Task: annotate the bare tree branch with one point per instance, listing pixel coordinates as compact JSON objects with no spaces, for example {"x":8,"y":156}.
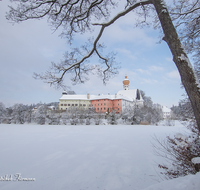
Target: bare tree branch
{"x":77,"y":16}
{"x":105,"y":74}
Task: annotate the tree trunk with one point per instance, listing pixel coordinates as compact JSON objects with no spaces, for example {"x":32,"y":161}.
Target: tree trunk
{"x":188,"y":77}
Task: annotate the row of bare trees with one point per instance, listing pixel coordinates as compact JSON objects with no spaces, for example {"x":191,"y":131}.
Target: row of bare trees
{"x":43,"y":114}
{"x":178,"y":21}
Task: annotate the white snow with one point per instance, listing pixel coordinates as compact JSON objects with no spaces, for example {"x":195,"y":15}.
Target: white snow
{"x":184,"y":58}
{"x":196,"y":160}
{"x":85,"y":158}
{"x":180,"y":136}
{"x":129,"y":93}
{"x":190,"y":182}
{"x":94,"y":97}
{"x":166,"y":109}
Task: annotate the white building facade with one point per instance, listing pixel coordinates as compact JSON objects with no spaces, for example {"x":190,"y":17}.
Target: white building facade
{"x":102,"y":103}
{"x":166,"y":112}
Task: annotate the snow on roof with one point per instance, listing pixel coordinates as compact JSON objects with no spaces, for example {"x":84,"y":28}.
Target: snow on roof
{"x":94,"y":97}
{"x":166,"y":109}
{"x":74,"y":97}
{"x":132,"y":94}
{"x":112,"y":97}
{"x":196,"y":160}
{"x":129,"y":95}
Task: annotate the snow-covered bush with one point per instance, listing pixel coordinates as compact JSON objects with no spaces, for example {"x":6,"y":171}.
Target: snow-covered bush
{"x":53,"y":118}
{"x":179,"y":152}
{"x":112,"y":118}
{"x":74,"y":121}
{"x":87,"y":121}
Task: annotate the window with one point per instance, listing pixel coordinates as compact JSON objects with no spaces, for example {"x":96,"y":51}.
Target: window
{"x":104,"y":108}
{"x":101,"y":104}
{"x":84,"y":104}
{"x":72,"y":104}
{"x":76,"y":104}
{"x":104,"y":104}
{"x":65,"y":104}
{"x":80,"y":104}
{"x":97,"y":108}
{"x":61,"y":104}
{"x":101,"y":108}
{"x":98,"y":104}
{"x":68,"y":104}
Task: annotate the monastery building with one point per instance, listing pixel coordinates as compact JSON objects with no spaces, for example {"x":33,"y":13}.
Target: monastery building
{"x":103,"y":103}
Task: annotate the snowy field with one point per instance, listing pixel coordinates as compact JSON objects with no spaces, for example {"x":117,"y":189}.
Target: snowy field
{"x":81,"y":157}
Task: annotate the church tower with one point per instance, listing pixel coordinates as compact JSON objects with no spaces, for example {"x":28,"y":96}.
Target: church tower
{"x":126,"y":83}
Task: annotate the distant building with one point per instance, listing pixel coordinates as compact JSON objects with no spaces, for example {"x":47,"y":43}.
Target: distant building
{"x":51,"y":108}
{"x":103,"y":103}
{"x":74,"y":101}
{"x":166,"y":112}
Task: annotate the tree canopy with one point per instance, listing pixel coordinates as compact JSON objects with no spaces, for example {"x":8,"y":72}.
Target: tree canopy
{"x":80,"y":16}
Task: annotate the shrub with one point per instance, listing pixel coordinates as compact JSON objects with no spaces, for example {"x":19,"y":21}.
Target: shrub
{"x":179,"y":151}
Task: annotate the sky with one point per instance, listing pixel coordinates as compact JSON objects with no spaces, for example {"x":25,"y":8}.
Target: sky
{"x":31,"y":46}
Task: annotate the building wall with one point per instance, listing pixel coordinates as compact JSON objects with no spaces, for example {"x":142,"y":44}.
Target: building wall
{"x":107,"y":105}
{"x":166,"y":115}
{"x":117,"y":105}
{"x":102,"y":105}
{"x":166,"y":112}
{"x":67,"y":104}
{"x":127,"y":104}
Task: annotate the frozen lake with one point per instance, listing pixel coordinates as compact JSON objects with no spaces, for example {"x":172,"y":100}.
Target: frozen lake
{"x":81,"y":157}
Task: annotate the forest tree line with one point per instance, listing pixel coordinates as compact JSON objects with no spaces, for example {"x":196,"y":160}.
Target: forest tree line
{"x":42,"y":113}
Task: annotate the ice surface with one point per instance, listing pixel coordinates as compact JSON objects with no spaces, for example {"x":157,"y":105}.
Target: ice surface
{"x":81,"y":157}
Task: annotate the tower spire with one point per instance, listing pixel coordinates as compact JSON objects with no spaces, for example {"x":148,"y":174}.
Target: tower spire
{"x":126,"y":83}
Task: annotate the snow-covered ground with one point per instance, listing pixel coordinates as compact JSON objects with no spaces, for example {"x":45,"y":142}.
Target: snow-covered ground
{"x":81,"y":157}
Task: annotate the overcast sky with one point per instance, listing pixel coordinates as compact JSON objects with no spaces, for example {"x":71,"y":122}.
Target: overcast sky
{"x":31,"y":46}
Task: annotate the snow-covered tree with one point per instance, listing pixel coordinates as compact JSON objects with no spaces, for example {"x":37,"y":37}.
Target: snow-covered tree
{"x":149,"y":112}
{"x":112,"y":118}
{"x":53,"y":118}
{"x":2,"y":112}
{"x":185,"y":14}
{"x":40,"y":114}
{"x":127,"y":114}
{"x":81,"y":16}
{"x":18,"y":114}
